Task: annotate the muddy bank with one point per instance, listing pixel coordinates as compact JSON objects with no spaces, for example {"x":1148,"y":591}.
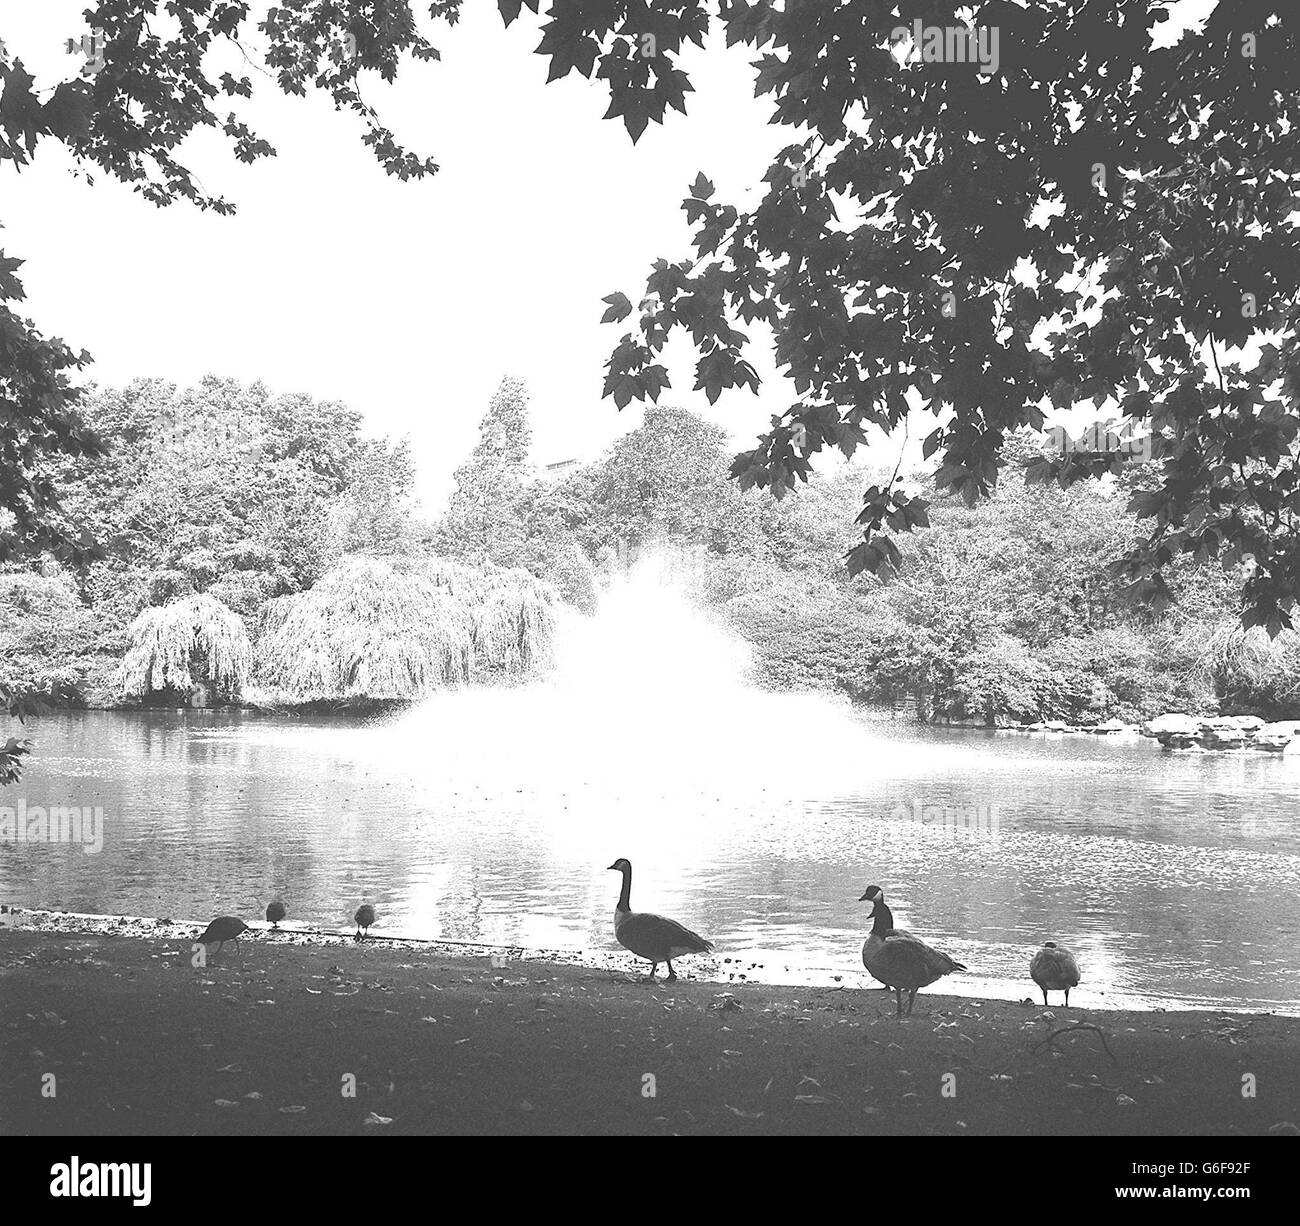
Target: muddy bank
{"x":287,"y":1036}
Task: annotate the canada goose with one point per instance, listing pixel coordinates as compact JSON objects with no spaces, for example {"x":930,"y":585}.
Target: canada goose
{"x":365,"y":916}
{"x":1054,"y":969}
{"x":897,"y":958}
{"x":222,"y":929}
{"x":275,"y":912}
{"x":651,"y":936}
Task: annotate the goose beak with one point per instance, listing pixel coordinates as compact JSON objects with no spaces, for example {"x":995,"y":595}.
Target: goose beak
{"x":611,"y":866}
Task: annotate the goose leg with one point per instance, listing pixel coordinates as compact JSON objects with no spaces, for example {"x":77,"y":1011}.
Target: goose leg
{"x":654,"y":966}
{"x":1044,"y":998}
{"x":898,"y":999}
{"x":1067,"y":998}
{"x":911,"y":1000}
{"x":672,"y":974}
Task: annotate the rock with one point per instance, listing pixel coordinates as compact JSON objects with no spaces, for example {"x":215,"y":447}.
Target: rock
{"x":1247,"y":723}
{"x":1282,"y":727}
{"x":1216,"y":723}
{"x":1223,"y":738}
{"x":1111,"y":725}
{"x":1271,"y":744}
{"x":1277,"y":737}
{"x":1184,"y":725}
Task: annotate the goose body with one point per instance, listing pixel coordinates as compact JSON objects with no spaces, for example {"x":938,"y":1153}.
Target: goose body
{"x":222,"y":929}
{"x":1054,"y":969}
{"x":898,"y":959}
{"x":275,"y":912}
{"x":650,"y":936}
{"x":365,"y":916}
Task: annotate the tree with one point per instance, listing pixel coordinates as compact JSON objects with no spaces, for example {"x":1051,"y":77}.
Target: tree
{"x":221,"y":487}
{"x":484,"y":519}
{"x":192,"y":641}
{"x":369,"y":631}
{"x":1094,"y":220}
{"x":668,"y":478}
{"x":375,"y":514}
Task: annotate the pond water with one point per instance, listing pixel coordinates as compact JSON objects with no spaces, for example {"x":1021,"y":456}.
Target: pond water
{"x":756,"y":818}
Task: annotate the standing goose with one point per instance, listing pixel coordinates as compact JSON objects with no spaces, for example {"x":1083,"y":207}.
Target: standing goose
{"x":365,"y":916}
{"x":222,"y":929}
{"x":275,"y":912}
{"x":1054,"y":969}
{"x":897,"y":958}
{"x":651,"y":936}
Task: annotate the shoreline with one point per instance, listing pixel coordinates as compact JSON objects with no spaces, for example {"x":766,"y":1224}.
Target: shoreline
{"x":340,"y":1038}
{"x":1255,"y":738}
{"x":720,"y":970}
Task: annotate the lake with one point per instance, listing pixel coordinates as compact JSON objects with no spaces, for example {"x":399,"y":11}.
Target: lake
{"x":756,"y":818}
{"x":1174,"y":879}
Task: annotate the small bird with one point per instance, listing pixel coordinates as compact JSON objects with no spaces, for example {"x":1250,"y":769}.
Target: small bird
{"x":275,"y":912}
{"x":897,"y":958}
{"x":222,"y":929}
{"x":1054,"y":969}
{"x":651,"y":936}
{"x":365,"y":916}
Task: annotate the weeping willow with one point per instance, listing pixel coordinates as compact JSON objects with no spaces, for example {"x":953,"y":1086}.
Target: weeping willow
{"x":514,"y":623}
{"x":370,"y":631}
{"x":1252,"y":670}
{"x":177,"y":645}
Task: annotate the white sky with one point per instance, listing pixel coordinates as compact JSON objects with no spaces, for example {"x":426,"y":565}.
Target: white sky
{"x":408,"y":301}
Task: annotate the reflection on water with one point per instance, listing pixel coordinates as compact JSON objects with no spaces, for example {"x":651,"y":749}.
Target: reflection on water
{"x":756,"y":818}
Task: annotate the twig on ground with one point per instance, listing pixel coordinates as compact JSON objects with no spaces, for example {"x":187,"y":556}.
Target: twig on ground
{"x":1097,"y":1030}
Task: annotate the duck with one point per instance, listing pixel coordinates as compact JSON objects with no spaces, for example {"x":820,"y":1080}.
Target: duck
{"x":898,"y":959}
{"x":649,"y":936}
{"x":275,"y":912}
{"x":365,"y":916}
{"x":1054,"y":969}
{"x":222,"y":929}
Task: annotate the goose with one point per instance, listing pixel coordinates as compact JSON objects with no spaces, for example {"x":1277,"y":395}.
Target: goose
{"x":275,"y":912}
{"x":651,"y":936}
{"x":897,"y":958}
{"x":1054,"y":969}
{"x":365,"y":916}
{"x":222,"y":929}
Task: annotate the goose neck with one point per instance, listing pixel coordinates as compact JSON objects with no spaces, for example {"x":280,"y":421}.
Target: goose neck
{"x":625,"y":895}
{"x":884,"y":920}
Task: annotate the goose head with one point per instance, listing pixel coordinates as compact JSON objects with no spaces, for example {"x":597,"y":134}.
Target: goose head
{"x":872,"y":894}
{"x":1049,"y":944}
{"x":621,"y":866}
